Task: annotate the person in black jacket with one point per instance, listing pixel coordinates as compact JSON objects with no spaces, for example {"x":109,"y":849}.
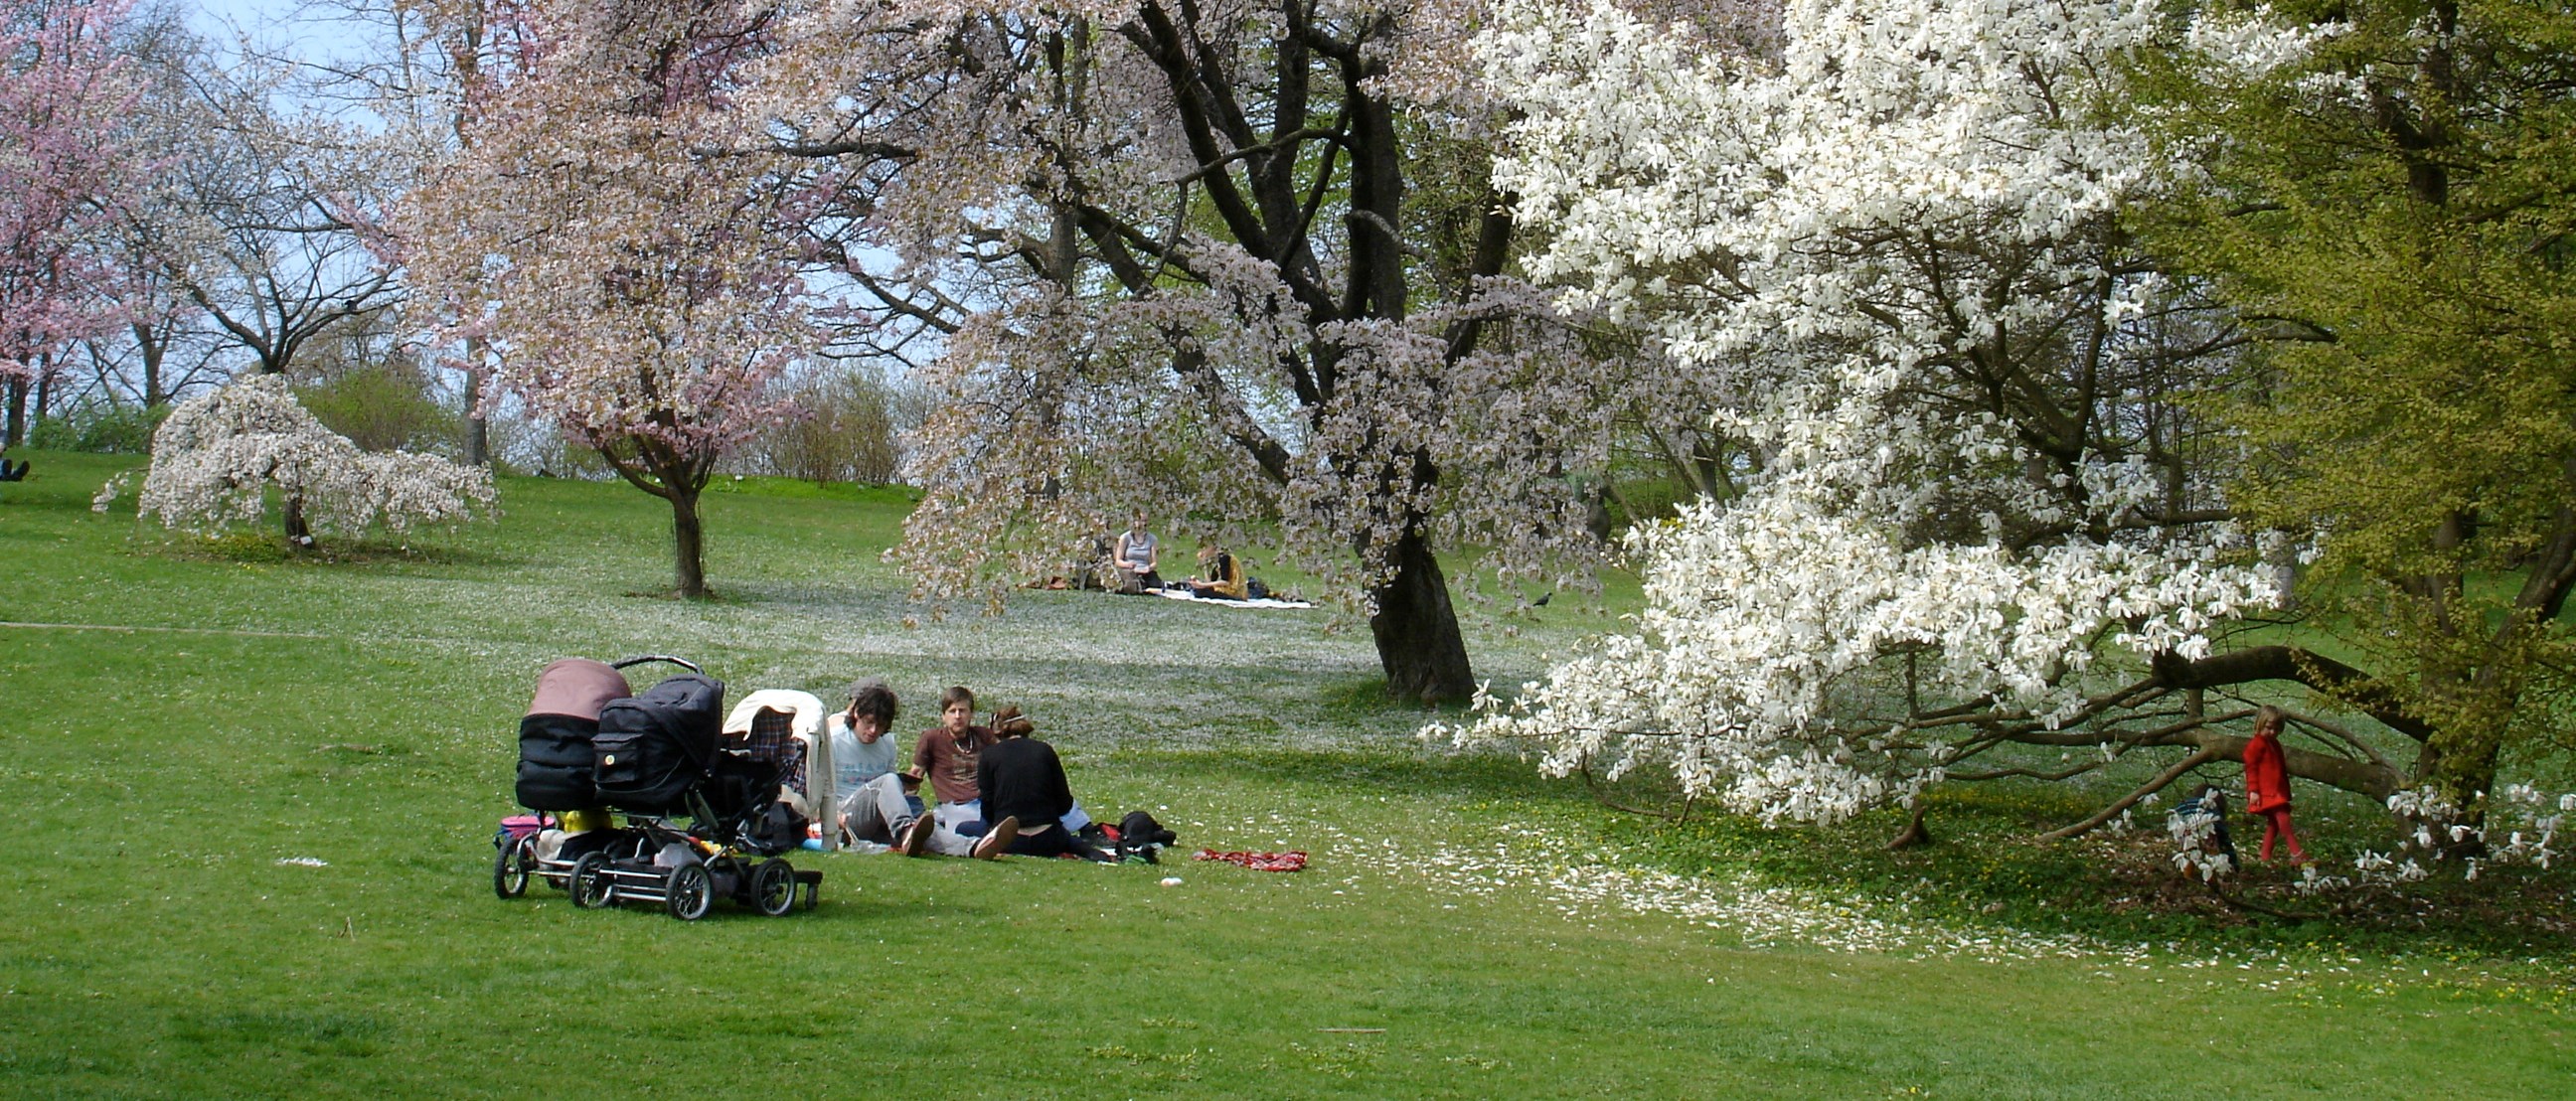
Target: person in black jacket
{"x":1022,"y":785}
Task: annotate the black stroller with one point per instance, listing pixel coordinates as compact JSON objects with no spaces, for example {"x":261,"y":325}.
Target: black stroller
{"x":656,"y":758}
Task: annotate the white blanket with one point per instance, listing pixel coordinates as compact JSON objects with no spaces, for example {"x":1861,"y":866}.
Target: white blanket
{"x":1265,"y":602}
{"x":806,"y":712}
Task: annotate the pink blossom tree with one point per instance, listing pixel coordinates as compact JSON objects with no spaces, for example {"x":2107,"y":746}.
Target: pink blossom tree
{"x":612,"y":230}
{"x":63,"y":161}
{"x":1229,"y":263}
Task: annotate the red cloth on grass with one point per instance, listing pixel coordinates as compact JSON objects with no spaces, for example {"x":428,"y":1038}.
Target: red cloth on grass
{"x":1259,"y":862}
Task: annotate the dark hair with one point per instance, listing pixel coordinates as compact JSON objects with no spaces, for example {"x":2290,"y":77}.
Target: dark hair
{"x":1009,"y":723}
{"x":956,"y":694}
{"x":873,"y":699}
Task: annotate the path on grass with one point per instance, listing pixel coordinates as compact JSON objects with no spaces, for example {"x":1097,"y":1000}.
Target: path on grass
{"x":235,"y":632}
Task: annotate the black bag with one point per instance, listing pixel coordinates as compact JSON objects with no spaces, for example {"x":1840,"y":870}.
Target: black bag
{"x":1140,"y":835}
{"x":555,"y":759}
{"x":654,"y":747}
{"x":777,"y":830}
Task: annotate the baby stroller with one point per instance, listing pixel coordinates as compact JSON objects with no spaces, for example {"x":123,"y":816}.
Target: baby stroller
{"x":586,"y":747}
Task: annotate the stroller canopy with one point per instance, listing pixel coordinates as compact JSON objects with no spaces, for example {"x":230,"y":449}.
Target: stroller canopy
{"x":654,"y":748}
{"x":578,"y":687}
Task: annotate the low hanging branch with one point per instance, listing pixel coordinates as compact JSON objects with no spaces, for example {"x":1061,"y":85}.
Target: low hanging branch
{"x":2162,"y":779}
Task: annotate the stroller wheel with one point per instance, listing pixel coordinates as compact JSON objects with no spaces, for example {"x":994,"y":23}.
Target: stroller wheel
{"x":588,"y":882}
{"x":689,"y":891}
{"x":511,"y":867}
{"x":773,"y":887}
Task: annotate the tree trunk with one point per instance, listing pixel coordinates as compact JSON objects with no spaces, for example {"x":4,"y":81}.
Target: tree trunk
{"x":44,"y":388}
{"x":2460,"y":762}
{"x":680,"y":479}
{"x":1417,"y":630}
{"x":478,"y":441}
{"x":299,"y":534}
{"x":1915,"y":834}
{"x":17,"y":413}
{"x":688,"y":542}
{"x":478,"y":434}
{"x":148,"y":340}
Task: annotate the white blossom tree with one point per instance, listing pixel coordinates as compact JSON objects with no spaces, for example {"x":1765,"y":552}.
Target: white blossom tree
{"x":217,"y":458}
{"x":1981,"y":476}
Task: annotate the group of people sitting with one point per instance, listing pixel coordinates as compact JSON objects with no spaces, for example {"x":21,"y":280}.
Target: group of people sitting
{"x":1138,"y":558}
{"x":994,"y":788}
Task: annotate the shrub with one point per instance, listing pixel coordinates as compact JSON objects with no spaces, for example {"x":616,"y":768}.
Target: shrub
{"x":852,"y":432}
{"x":383,"y":407}
{"x":100,"y":427}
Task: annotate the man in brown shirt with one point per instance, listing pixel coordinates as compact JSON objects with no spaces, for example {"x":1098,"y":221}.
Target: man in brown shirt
{"x":948,"y":755}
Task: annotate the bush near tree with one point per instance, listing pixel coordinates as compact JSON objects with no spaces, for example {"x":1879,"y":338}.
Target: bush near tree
{"x":105,"y":428}
{"x":851,"y":430}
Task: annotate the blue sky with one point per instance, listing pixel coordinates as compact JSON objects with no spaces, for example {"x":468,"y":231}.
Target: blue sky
{"x":303,"y":28}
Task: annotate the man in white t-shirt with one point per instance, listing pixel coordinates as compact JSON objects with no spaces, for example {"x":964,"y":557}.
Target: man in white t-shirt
{"x":877,"y":803}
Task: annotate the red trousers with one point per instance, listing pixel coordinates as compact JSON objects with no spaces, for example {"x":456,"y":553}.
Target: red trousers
{"x":2276,"y":823}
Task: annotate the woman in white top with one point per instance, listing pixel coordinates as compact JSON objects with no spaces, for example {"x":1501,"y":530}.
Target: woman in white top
{"x":1138,"y":553}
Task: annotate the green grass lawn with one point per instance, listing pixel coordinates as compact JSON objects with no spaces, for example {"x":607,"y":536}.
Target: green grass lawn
{"x":177,"y":718}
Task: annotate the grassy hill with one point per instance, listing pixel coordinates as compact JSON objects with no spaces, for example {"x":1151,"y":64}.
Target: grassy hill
{"x":178,"y":718}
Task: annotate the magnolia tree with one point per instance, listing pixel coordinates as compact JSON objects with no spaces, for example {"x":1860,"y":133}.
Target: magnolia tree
{"x":1228,"y":263}
{"x":64,"y":164}
{"x":615,"y":232}
{"x":218,"y":455}
{"x":1987,"y":514}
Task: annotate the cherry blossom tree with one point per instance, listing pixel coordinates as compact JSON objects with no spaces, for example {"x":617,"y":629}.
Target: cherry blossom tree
{"x":1233,"y":264}
{"x":1987,"y":514}
{"x":219,"y":454}
{"x":63,"y":165}
{"x":616,"y":230}
{"x":413,"y":64}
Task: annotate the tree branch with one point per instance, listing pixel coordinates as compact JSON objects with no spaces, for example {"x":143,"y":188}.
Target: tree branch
{"x":2300,"y":666}
{"x":2168,"y":776}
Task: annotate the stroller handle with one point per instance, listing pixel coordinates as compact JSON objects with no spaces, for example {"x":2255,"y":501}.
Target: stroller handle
{"x":683,"y":663}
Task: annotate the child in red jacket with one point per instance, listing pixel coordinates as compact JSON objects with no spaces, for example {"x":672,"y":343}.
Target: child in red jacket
{"x":2267,"y":783}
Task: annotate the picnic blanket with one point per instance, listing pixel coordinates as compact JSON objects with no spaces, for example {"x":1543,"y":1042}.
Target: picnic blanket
{"x":1259,"y":862}
{"x":1265,"y":602}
